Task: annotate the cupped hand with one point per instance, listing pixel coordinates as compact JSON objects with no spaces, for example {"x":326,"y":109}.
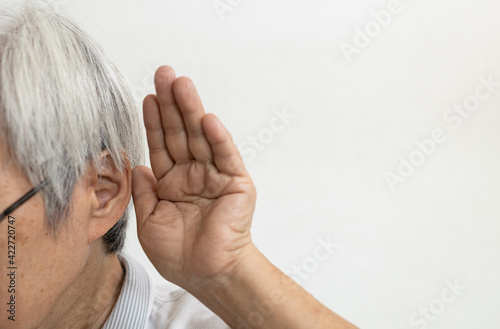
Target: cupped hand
{"x":194,"y":207}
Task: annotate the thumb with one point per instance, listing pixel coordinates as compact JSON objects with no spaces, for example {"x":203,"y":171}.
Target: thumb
{"x":143,"y":193}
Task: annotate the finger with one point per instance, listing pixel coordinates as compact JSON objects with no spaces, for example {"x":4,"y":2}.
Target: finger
{"x":226,"y":155}
{"x":171,"y":117}
{"x":161,"y":160}
{"x":192,"y":111}
{"x":143,"y":193}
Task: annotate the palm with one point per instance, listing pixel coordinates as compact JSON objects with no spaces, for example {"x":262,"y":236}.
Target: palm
{"x":194,"y":208}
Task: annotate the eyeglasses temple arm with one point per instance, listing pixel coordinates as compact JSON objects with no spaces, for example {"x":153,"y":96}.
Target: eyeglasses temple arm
{"x":23,"y":199}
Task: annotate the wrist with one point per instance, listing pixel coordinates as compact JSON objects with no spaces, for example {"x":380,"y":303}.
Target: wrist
{"x":240,"y":270}
{"x":248,"y":295}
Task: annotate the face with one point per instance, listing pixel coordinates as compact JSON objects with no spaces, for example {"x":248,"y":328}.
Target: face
{"x":44,"y":266}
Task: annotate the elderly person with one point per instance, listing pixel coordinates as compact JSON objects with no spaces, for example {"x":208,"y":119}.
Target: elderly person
{"x":70,"y":154}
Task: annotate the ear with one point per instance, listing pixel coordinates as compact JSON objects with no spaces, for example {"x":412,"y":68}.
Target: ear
{"x":109,"y":191}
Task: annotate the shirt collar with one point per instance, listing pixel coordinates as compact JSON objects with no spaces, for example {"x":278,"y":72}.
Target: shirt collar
{"x":131,"y":308}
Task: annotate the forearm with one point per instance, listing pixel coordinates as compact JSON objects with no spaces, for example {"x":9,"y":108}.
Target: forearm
{"x":259,"y":295}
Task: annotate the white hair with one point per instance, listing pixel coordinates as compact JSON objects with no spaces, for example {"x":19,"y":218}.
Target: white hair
{"x":63,"y":101}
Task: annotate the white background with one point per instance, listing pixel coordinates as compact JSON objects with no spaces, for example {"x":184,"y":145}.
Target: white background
{"x":323,"y":174}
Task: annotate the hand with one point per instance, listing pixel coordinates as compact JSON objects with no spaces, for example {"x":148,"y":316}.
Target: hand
{"x":194,"y":208}
{"x":194,"y":211}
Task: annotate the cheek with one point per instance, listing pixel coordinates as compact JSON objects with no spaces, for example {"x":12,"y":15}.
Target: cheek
{"x":46,"y":266}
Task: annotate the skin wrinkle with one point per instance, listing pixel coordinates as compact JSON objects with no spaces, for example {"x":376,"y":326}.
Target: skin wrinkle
{"x":81,"y":283}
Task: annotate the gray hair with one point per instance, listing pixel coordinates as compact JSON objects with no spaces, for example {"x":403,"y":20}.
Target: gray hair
{"x":62,"y":102}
